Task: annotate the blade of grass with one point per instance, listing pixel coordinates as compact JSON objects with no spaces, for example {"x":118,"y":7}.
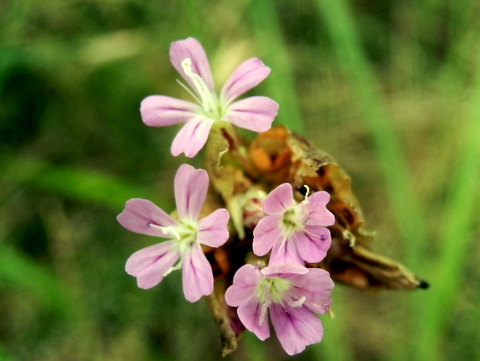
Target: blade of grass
{"x":20,"y":271}
{"x":3,"y":354}
{"x":408,"y":214}
{"x":254,"y":348}
{"x":455,"y":238}
{"x":193,"y":22}
{"x":281,"y":84}
{"x":334,"y":344}
{"x":77,"y":184}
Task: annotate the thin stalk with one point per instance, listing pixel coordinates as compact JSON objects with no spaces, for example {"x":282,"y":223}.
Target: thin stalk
{"x":408,"y":214}
{"x":281,"y":84}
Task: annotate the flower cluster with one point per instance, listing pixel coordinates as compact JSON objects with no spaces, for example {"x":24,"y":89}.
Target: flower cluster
{"x":287,"y":233}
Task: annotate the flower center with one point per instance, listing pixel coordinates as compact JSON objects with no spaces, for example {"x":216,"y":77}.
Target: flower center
{"x":184,"y":234}
{"x":272,"y":289}
{"x":291,"y":221}
{"x":275,"y":290}
{"x":211,"y":106}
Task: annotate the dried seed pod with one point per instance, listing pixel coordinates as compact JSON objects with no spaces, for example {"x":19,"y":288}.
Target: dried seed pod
{"x":242,"y":172}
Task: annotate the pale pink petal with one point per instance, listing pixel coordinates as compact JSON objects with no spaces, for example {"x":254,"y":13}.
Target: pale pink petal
{"x":250,"y":313}
{"x":316,"y":286}
{"x":191,"y":186}
{"x":150,"y":264}
{"x":279,"y":200}
{"x":318,"y":214}
{"x":296,"y":327}
{"x":284,"y":270}
{"x":197,"y":275}
{"x":285,"y":253}
{"x":266,"y":234}
{"x":244,"y":285}
{"x":237,"y":294}
{"x":212,"y":230}
{"x":191,"y":48}
{"x":313,"y":244}
{"x":245,"y":77}
{"x":254,"y":113}
{"x":141,"y":215}
{"x":160,"y":111}
{"x":192,"y":137}
{"x":248,"y":275}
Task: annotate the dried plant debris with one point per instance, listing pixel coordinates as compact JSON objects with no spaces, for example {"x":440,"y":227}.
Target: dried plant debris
{"x":244,"y":172}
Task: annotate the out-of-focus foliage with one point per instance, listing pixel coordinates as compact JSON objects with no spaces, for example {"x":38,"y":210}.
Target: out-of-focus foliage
{"x":390,"y":89}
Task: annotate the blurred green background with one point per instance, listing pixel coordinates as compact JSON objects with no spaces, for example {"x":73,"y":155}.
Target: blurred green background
{"x":390,"y":89}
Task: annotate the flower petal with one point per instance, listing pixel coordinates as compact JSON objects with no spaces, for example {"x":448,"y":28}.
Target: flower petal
{"x":244,"y":285}
{"x":236,"y":294}
{"x":150,"y":264}
{"x":191,"y":48}
{"x":247,"y":275}
{"x":140,"y":215}
{"x":318,"y":214}
{"x":212,"y":230}
{"x":266,"y":234}
{"x":192,"y":137}
{"x":254,"y":113}
{"x":284,"y":270}
{"x":245,"y":77}
{"x":250,"y":313}
{"x":296,"y":327}
{"x":279,"y":200}
{"x":191,"y":186}
{"x":285,"y":253}
{"x":160,"y":111}
{"x":316,"y":286}
{"x":313,"y":244}
{"x":197,"y":275}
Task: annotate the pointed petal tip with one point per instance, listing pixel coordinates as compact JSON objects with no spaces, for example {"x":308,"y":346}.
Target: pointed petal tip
{"x":246,"y":76}
{"x":191,"y":48}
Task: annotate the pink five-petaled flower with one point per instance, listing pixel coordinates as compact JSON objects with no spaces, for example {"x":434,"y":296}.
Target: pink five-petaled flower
{"x":295,"y":232}
{"x":150,"y":265}
{"x":294,"y":294}
{"x":189,"y":59}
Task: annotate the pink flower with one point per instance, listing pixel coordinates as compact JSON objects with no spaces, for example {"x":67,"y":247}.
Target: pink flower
{"x":294,"y":232}
{"x":293,"y":294}
{"x":190,"y":60}
{"x":150,"y":265}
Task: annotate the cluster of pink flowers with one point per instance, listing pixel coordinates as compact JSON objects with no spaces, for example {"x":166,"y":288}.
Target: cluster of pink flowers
{"x":285,"y":291}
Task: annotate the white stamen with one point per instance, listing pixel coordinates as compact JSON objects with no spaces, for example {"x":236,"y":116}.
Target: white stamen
{"x":284,"y":240}
{"x":264,"y":310}
{"x":167,"y":230}
{"x":305,"y":201}
{"x":173,"y":268}
{"x":207,"y":102}
{"x":189,"y":91}
{"x":297,"y":303}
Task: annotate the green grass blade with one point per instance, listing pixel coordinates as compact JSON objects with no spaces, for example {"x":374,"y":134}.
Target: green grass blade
{"x":455,"y":238}
{"x":280,"y":84}
{"x":334,"y":345}
{"x":77,"y":184}
{"x":254,"y":347}
{"x":339,"y":22}
{"x":193,"y":18}
{"x":19,"y":271}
